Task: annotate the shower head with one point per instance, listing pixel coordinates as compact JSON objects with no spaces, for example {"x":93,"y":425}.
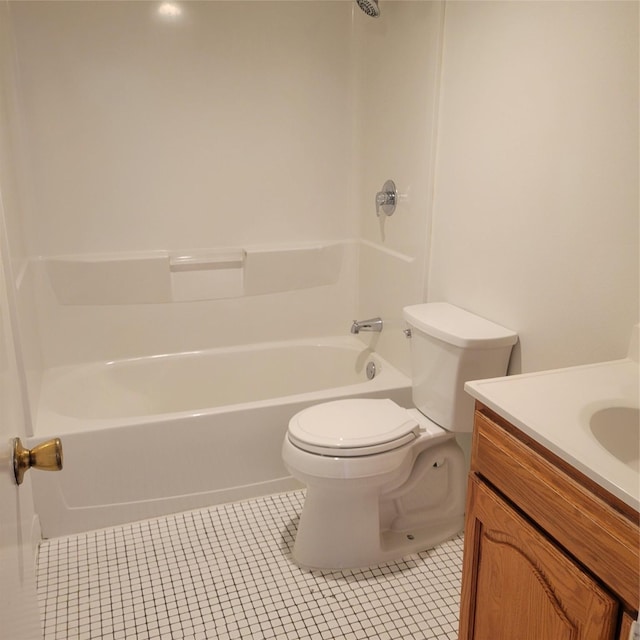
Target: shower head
{"x":370,"y":7}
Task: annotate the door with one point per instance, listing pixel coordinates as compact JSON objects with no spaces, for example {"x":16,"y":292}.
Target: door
{"x":19,"y":618}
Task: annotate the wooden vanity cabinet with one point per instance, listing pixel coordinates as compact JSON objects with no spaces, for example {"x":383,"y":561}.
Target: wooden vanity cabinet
{"x":548,"y":555}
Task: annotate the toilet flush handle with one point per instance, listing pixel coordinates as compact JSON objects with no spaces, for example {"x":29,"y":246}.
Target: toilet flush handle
{"x":46,"y":456}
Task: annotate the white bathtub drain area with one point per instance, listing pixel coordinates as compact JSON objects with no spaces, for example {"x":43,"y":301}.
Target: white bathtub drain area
{"x":226,"y":572}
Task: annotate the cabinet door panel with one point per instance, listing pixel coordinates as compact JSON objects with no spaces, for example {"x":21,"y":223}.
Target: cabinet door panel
{"x":506,"y":574}
{"x":625,"y":627}
{"x":524,"y":586}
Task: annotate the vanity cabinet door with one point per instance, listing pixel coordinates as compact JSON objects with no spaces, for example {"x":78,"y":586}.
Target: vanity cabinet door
{"x":519,"y":585}
{"x":625,"y":627}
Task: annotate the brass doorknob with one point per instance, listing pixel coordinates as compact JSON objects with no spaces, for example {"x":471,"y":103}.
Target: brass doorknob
{"x":46,"y":456}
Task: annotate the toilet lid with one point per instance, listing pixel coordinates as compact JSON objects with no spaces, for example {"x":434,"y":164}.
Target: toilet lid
{"x":355,"y":427}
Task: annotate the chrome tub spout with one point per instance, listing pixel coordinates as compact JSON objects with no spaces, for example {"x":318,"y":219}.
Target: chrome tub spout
{"x":374,"y":324}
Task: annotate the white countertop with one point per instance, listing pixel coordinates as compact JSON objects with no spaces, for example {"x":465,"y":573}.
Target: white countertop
{"x":555,"y":408}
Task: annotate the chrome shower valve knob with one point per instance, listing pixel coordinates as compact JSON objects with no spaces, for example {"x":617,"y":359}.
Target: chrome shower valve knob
{"x":386,"y":199}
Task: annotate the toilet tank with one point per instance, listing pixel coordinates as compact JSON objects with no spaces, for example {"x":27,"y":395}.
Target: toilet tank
{"x":450,"y":346}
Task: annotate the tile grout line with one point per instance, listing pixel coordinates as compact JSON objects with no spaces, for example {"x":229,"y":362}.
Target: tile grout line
{"x":225,"y":572}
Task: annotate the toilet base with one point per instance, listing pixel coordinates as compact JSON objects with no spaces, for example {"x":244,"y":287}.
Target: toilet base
{"x":421,"y":539}
{"x":337,"y":529}
{"x":352,"y":539}
{"x":354,"y":523}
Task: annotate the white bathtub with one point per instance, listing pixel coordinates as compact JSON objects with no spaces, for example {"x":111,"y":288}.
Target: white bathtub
{"x":151,"y":436}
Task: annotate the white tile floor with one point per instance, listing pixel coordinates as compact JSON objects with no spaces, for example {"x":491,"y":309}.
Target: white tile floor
{"x":226,"y":572}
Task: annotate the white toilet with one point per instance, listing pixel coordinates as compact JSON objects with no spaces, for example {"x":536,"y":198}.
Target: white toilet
{"x":383,"y":481}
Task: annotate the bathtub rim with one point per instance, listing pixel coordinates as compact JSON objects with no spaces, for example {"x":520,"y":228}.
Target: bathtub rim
{"x":49,"y":422}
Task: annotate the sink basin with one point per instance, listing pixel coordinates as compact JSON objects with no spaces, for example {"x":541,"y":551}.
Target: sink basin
{"x":617,"y":429}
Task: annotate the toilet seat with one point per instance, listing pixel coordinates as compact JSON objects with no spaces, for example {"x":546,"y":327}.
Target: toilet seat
{"x":352,"y":428}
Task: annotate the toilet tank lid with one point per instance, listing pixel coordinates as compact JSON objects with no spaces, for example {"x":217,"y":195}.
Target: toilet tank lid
{"x":458,"y":327}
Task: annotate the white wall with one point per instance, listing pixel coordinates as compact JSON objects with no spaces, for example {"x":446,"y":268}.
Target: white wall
{"x":536,"y":202}
{"x":240,"y":124}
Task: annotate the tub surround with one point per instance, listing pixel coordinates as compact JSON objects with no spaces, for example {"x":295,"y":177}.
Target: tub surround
{"x":254,"y":150}
{"x":148,"y":277}
{"x":96,"y":310}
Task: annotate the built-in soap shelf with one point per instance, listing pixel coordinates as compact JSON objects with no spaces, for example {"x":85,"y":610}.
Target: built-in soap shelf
{"x":223,"y":259}
{"x":153,"y":277}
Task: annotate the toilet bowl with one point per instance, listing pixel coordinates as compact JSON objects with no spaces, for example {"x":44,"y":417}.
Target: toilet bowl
{"x":383,"y":481}
{"x":363,"y":507}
